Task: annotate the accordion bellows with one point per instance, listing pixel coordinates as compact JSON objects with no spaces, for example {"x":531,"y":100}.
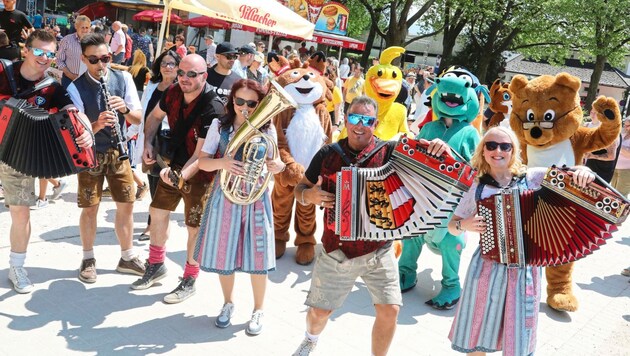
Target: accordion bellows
{"x":556,"y":224}
{"x":411,"y":194}
{"x":39,"y":144}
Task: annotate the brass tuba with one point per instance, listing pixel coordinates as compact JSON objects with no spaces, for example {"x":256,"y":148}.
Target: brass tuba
{"x":249,"y":187}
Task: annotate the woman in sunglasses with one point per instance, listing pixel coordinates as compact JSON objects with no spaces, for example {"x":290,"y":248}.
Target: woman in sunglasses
{"x":498,"y":309}
{"x":164,"y":75}
{"x":236,"y":237}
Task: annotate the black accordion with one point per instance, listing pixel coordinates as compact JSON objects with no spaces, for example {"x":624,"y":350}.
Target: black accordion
{"x":410,"y":195}
{"x":39,"y":144}
{"x":556,"y":224}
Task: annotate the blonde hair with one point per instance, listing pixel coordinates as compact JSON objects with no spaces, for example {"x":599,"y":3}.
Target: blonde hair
{"x":516,"y":164}
{"x":139,"y":62}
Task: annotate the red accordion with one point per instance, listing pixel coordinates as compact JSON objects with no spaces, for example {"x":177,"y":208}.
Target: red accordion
{"x":40,"y":144}
{"x":556,"y":224}
{"x":411,"y":194}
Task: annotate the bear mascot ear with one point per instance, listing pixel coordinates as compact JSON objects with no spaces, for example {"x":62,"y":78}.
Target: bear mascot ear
{"x":569,"y":81}
{"x":277,"y":63}
{"x":495,"y":87}
{"x":517,"y":83}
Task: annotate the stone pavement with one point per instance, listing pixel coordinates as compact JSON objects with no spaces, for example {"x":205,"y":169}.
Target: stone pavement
{"x":64,"y":316}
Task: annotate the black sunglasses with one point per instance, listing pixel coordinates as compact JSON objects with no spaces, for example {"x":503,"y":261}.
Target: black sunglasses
{"x":492,"y":146}
{"x":189,"y":74}
{"x":95,"y":59}
{"x":230,"y":56}
{"x":250,"y":103}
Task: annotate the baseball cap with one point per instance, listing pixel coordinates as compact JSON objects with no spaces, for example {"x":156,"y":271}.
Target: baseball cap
{"x":259,"y":57}
{"x":209,"y":37}
{"x":225,"y":48}
{"x":247,"y":49}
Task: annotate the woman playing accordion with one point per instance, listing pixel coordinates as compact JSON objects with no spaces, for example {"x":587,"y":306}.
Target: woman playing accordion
{"x":499,"y":304}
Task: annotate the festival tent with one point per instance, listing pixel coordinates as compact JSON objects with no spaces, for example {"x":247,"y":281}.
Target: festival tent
{"x":205,"y":21}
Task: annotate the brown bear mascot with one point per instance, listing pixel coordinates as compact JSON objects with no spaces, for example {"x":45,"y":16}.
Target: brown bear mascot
{"x":547,"y":117}
{"x":301,"y":133}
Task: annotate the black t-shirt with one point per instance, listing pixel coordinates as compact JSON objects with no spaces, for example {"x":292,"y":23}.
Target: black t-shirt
{"x":139,"y":79}
{"x":222,"y":84}
{"x":12,"y":22}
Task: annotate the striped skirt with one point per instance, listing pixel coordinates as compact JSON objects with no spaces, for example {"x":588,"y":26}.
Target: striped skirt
{"x":236,"y":237}
{"x":498,"y":309}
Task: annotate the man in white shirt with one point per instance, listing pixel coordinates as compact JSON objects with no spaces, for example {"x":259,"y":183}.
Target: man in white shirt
{"x":210,"y":52}
{"x":117,"y":43}
{"x":245,"y":58}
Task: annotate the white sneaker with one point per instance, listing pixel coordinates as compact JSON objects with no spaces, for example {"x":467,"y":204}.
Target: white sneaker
{"x":306,"y":347}
{"x":223,"y":320}
{"x":254,"y":327}
{"x":19,"y":277}
{"x":40,"y":204}
{"x":58,"y":189}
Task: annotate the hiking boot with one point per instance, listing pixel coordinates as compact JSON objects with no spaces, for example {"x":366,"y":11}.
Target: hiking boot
{"x":40,"y":204}
{"x":154,"y":272}
{"x":184,"y":290}
{"x":225,"y":316}
{"x":87,"y":272}
{"x":141,"y":191}
{"x":58,"y":189}
{"x":254,"y":327}
{"x":306,"y":347}
{"x":133,"y":266}
{"x":19,"y":277}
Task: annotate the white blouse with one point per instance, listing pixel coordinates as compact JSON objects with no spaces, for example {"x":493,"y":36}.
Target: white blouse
{"x":211,"y":143}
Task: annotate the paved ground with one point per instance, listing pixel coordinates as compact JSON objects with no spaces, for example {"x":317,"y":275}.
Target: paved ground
{"x":64,"y":316}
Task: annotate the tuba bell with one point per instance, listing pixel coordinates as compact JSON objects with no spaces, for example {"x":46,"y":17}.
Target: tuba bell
{"x":255,"y":146}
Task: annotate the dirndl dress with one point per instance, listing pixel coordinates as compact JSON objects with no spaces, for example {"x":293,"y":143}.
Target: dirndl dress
{"x":235,"y":237}
{"x":498,"y":309}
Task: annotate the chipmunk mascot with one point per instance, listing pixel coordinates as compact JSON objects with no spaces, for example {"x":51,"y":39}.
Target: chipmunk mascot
{"x":455,"y":102}
{"x":382,"y":83}
{"x":546,"y":117}
{"x":500,"y":106}
{"x":301,"y":133}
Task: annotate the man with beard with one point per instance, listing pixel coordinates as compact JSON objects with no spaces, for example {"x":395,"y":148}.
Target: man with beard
{"x":190,"y":106}
{"x":220,"y":76}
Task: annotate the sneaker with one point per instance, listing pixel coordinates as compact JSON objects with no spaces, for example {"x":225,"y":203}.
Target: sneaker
{"x":133,"y":266}
{"x":223,"y":320}
{"x":254,"y":327}
{"x":40,"y":204}
{"x":306,"y":347}
{"x":106,"y":192}
{"x":87,"y":273}
{"x":58,"y":189}
{"x":154,"y":272}
{"x":141,"y":191}
{"x":625,"y":272}
{"x":184,"y":290}
{"x":19,"y":277}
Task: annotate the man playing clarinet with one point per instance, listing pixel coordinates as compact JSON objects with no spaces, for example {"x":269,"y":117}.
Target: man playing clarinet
{"x":109,"y":98}
{"x":19,"y":80}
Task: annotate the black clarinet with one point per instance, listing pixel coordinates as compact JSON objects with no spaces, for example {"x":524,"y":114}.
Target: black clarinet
{"x":121,"y":144}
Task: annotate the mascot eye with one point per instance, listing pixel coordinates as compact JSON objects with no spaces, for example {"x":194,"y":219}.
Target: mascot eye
{"x":449,"y":75}
{"x":549,"y":115}
{"x":506,"y":96}
{"x":311,"y":74}
{"x":394,"y":74}
{"x":467,"y":78}
{"x":379,"y":73}
{"x":295,"y":74}
{"x":530,"y":115}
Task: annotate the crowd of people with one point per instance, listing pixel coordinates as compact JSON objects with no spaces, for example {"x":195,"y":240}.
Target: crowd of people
{"x":177,"y":113}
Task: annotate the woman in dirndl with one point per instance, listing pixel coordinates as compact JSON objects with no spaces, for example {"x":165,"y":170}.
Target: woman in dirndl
{"x":498,"y":310}
{"x":235,"y":237}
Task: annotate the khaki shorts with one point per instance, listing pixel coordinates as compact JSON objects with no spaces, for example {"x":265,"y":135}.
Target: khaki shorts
{"x":19,"y":189}
{"x":334,"y":276}
{"x":119,"y":178}
{"x":621,"y":181}
{"x":194,"y":193}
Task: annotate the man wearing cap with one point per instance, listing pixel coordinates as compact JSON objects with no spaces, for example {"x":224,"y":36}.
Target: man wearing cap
{"x":254,"y":71}
{"x":210,"y":51}
{"x":221,"y":76}
{"x":245,"y":58}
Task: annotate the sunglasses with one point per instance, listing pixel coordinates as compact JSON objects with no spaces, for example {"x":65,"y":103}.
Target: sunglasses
{"x":190,"y":74}
{"x":95,"y":59}
{"x":367,"y":121}
{"x":168,"y":64}
{"x":40,"y":53}
{"x":230,"y":56}
{"x":504,"y":146}
{"x":250,"y":103}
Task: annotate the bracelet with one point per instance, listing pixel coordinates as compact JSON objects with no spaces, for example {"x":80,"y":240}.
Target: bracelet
{"x":126,"y":112}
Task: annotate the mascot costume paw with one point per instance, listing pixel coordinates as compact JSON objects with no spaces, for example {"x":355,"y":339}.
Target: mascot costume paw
{"x":455,"y":102}
{"x":382,"y":83}
{"x":546,"y":117}
{"x":301,"y":133}
{"x":500,"y":106}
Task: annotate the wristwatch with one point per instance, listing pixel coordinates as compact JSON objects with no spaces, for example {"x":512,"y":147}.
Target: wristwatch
{"x":126,"y":112}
